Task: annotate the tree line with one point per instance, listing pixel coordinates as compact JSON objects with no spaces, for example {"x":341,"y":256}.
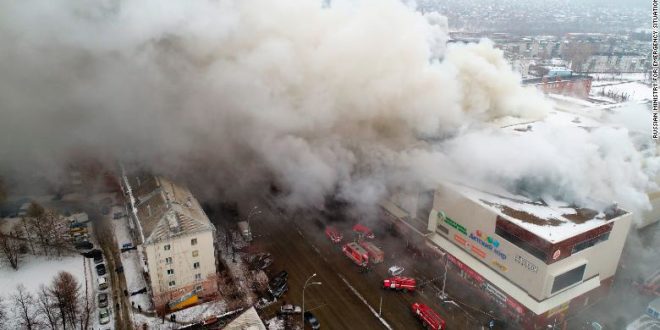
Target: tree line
{"x":60,"y":305}
{"x":39,"y":232}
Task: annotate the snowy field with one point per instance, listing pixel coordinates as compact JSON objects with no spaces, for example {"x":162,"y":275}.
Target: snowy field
{"x":634,"y":91}
{"x":33,"y":272}
{"x":37,"y":270}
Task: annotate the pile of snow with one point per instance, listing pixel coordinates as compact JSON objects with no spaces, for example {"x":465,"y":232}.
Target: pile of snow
{"x":275,"y":324}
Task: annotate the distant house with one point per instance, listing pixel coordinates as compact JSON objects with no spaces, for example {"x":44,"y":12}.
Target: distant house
{"x":177,"y":240}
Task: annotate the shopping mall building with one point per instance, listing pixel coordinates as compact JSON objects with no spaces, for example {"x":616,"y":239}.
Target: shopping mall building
{"x":540,"y":261}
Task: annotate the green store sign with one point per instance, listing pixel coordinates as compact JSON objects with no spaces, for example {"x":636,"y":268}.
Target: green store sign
{"x":452,"y":223}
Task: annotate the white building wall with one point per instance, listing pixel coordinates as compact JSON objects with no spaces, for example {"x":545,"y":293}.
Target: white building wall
{"x":181,"y":252}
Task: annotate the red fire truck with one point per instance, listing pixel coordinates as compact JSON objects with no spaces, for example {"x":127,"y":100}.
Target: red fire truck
{"x":363,"y":230}
{"x":428,"y":317}
{"x":376,"y":255}
{"x":356,"y":253}
{"x":333,"y":234}
{"x":404,"y":284}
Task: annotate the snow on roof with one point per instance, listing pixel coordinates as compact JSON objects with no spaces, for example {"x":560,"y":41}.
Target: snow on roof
{"x":248,"y":320}
{"x":552,"y":221}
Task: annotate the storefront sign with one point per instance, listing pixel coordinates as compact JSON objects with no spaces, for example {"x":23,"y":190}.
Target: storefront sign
{"x":556,"y":255}
{"x":496,"y":293}
{"x":488,"y":243}
{"x":526,"y":263}
{"x":478,"y":251}
{"x":460,"y":240}
{"x":499,"y":266}
{"x":467,"y":270}
{"x":515,"y":305}
{"x":452,"y":223}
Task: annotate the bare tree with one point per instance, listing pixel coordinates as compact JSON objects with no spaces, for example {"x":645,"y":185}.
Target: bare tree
{"x":24,"y":307}
{"x":46,"y":307}
{"x":65,"y":290}
{"x":12,"y":246}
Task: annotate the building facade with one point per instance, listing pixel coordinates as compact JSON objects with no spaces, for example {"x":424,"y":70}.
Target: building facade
{"x":539,"y":262}
{"x":177,"y":241}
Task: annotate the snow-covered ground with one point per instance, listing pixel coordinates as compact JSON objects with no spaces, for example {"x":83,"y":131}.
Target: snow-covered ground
{"x":633,"y":91}
{"x":33,"y":272}
{"x":275,"y":324}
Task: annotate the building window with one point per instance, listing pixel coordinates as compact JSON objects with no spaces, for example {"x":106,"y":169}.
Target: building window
{"x":166,"y":247}
{"x":590,"y":242}
{"x":198,"y":288}
{"x":443,"y":230}
{"x":198,"y":277}
{"x":170,"y":272}
{"x":196,"y":265}
{"x":517,"y":241}
{"x":193,"y":241}
{"x":168,"y":260}
{"x":195,"y":253}
{"x":172,"y":283}
{"x":568,"y":278}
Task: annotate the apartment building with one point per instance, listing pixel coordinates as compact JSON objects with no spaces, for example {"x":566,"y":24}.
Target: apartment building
{"x":176,"y":239}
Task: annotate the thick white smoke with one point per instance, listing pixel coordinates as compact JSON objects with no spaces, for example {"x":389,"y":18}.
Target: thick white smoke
{"x":324,"y":99}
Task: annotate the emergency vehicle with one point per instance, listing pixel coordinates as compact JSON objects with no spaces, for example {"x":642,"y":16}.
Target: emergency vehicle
{"x":428,"y":317}
{"x":363,"y":230}
{"x":356,"y":253}
{"x":404,"y":284}
{"x":376,"y":255}
{"x":333,"y":234}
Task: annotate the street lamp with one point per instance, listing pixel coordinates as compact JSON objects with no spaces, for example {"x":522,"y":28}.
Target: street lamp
{"x":303,"y":294}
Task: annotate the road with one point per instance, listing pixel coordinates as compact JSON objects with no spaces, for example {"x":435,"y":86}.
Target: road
{"x":106,"y":239}
{"x":348,"y":298}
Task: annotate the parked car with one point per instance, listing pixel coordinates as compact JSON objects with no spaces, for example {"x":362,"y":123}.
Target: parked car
{"x":266,"y":301}
{"x":100,"y":269}
{"x":288,"y":309}
{"x":104,"y":316}
{"x":363,"y":230}
{"x":312,"y":321}
{"x":98,"y":258}
{"x":280,"y":290}
{"x":103,"y":282}
{"x":118,"y":215}
{"x":395,"y":270}
{"x":84,"y":246}
{"x":103,"y":300}
{"x":279,"y":278}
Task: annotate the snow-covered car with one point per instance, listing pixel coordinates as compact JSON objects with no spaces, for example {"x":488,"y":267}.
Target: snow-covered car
{"x":290,"y":309}
{"x":395,"y":270}
{"x":103,"y":300}
{"x":264,"y":302}
{"x":104,"y":316}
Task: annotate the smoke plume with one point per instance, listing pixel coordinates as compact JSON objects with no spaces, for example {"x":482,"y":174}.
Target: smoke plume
{"x":350,"y":98}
